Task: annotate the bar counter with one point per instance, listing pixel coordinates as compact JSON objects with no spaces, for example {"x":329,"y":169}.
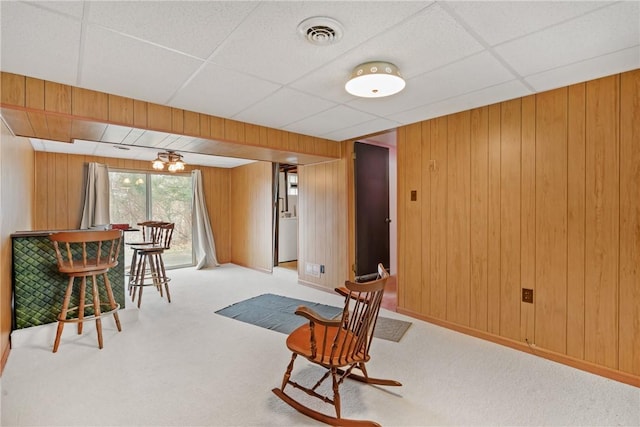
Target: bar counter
{"x":38,"y":287}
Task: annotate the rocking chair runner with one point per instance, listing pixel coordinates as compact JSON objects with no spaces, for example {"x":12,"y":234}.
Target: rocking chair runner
{"x":339,"y":345}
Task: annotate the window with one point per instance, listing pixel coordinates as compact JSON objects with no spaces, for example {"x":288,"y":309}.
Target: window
{"x":139,"y":196}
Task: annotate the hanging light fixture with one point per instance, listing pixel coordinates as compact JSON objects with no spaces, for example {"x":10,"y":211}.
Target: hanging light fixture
{"x":375,"y":80}
{"x":170,"y":158}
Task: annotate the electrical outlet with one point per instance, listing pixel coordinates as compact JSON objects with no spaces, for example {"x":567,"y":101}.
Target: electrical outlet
{"x":527,"y":295}
{"x":312,"y":269}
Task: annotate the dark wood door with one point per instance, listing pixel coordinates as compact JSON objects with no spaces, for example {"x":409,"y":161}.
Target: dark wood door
{"x":372,"y":208}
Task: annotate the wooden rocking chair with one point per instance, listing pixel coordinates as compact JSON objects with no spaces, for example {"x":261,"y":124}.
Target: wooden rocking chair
{"x":339,"y":345}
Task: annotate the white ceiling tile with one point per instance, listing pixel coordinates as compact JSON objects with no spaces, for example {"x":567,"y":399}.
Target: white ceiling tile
{"x":68,"y":7}
{"x":133,"y":136}
{"x":487,"y":96}
{"x":213,"y":161}
{"x":39,"y":43}
{"x":261,"y":70}
{"x":196,"y":27}
{"x":80,"y":147}
{"x":263,"y":44}
{"x":500,"y":21}
{"x":153,"y":139}
{"x":152,"y":73}
{"x":469,"y":75}
{"x":115,"y":133}
{"x":181,"y":142}
{"x":364,"y":128}
{"x":283,"y":107}
{"x":61,"y":147}
{"x":328,"y":81}
{"x":617,"y":62}
{"x":167,"y":141}
{"x":215,"y":90}
{"x":102,"y":149}
{"x":327,"y":121}
{"x":426,"y":41}
{"x":597,"y":33}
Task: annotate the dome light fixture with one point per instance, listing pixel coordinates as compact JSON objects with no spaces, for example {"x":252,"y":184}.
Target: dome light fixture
{"x":170,"y":158}
{"x":375,"y":80}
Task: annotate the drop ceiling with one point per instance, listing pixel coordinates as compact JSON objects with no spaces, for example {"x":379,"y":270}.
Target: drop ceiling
{"x":246,"y":61}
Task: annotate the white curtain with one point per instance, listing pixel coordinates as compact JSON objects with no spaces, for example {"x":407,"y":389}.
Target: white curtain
{"x":96,"y":196}
{"x":203,"y":244}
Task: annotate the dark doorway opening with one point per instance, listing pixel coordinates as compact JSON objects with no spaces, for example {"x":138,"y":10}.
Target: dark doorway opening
{"x":371,"y":167}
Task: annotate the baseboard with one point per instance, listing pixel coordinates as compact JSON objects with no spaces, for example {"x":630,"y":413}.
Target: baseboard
{"x":250,"y":267}
{"x":316,"y":286}
{"x":583,"y":365}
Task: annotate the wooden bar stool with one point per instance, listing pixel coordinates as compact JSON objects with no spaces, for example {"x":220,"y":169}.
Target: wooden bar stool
{"x":85,"y":254}
{"x":150,"y":236}
{"x":150,"y":265}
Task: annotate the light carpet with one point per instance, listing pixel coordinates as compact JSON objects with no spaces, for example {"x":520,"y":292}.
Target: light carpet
{"x":180,"y":364}
{"x":277,"y":312}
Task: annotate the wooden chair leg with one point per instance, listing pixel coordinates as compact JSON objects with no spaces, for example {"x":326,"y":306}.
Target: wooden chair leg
{"x":155,"y":276}
{"x":112,"y":301}
{"x":132,"y":267}
{"x":139,"y":279}
{"x":163,"y":275}
{"x":96,"y":309}
{"x":287,"y":374}
{"x":81,"y":303}
{"x":134,"y":271}
{"x":336,"y":391}
{"x":63,"y":313}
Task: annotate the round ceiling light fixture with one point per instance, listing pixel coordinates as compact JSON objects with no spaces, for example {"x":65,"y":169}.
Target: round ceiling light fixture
{"x":375,"y":80}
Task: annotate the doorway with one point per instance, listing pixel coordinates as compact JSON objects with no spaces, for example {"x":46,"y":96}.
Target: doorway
{"x":371,"y":170}
{"x":286,"y":216}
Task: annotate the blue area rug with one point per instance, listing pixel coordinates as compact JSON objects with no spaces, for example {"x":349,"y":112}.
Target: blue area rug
{"x":277,"y":313}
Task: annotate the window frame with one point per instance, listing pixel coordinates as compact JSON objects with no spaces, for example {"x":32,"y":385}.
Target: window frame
{"x":149,"y":202}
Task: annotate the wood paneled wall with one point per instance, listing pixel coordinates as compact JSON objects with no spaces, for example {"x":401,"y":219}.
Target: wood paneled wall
{"x":251,"y":216}
{"x":59,"y":191}
{"x":48,"y":110}
{"x":16,"y":205}
{"x":239,"y":206}
{"x":322,"y":237}
{"x":217,"y":189}
{"x":540,"y":192}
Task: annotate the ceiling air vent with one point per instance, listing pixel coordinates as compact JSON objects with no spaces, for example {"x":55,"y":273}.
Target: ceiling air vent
{"x":320,"y":30}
